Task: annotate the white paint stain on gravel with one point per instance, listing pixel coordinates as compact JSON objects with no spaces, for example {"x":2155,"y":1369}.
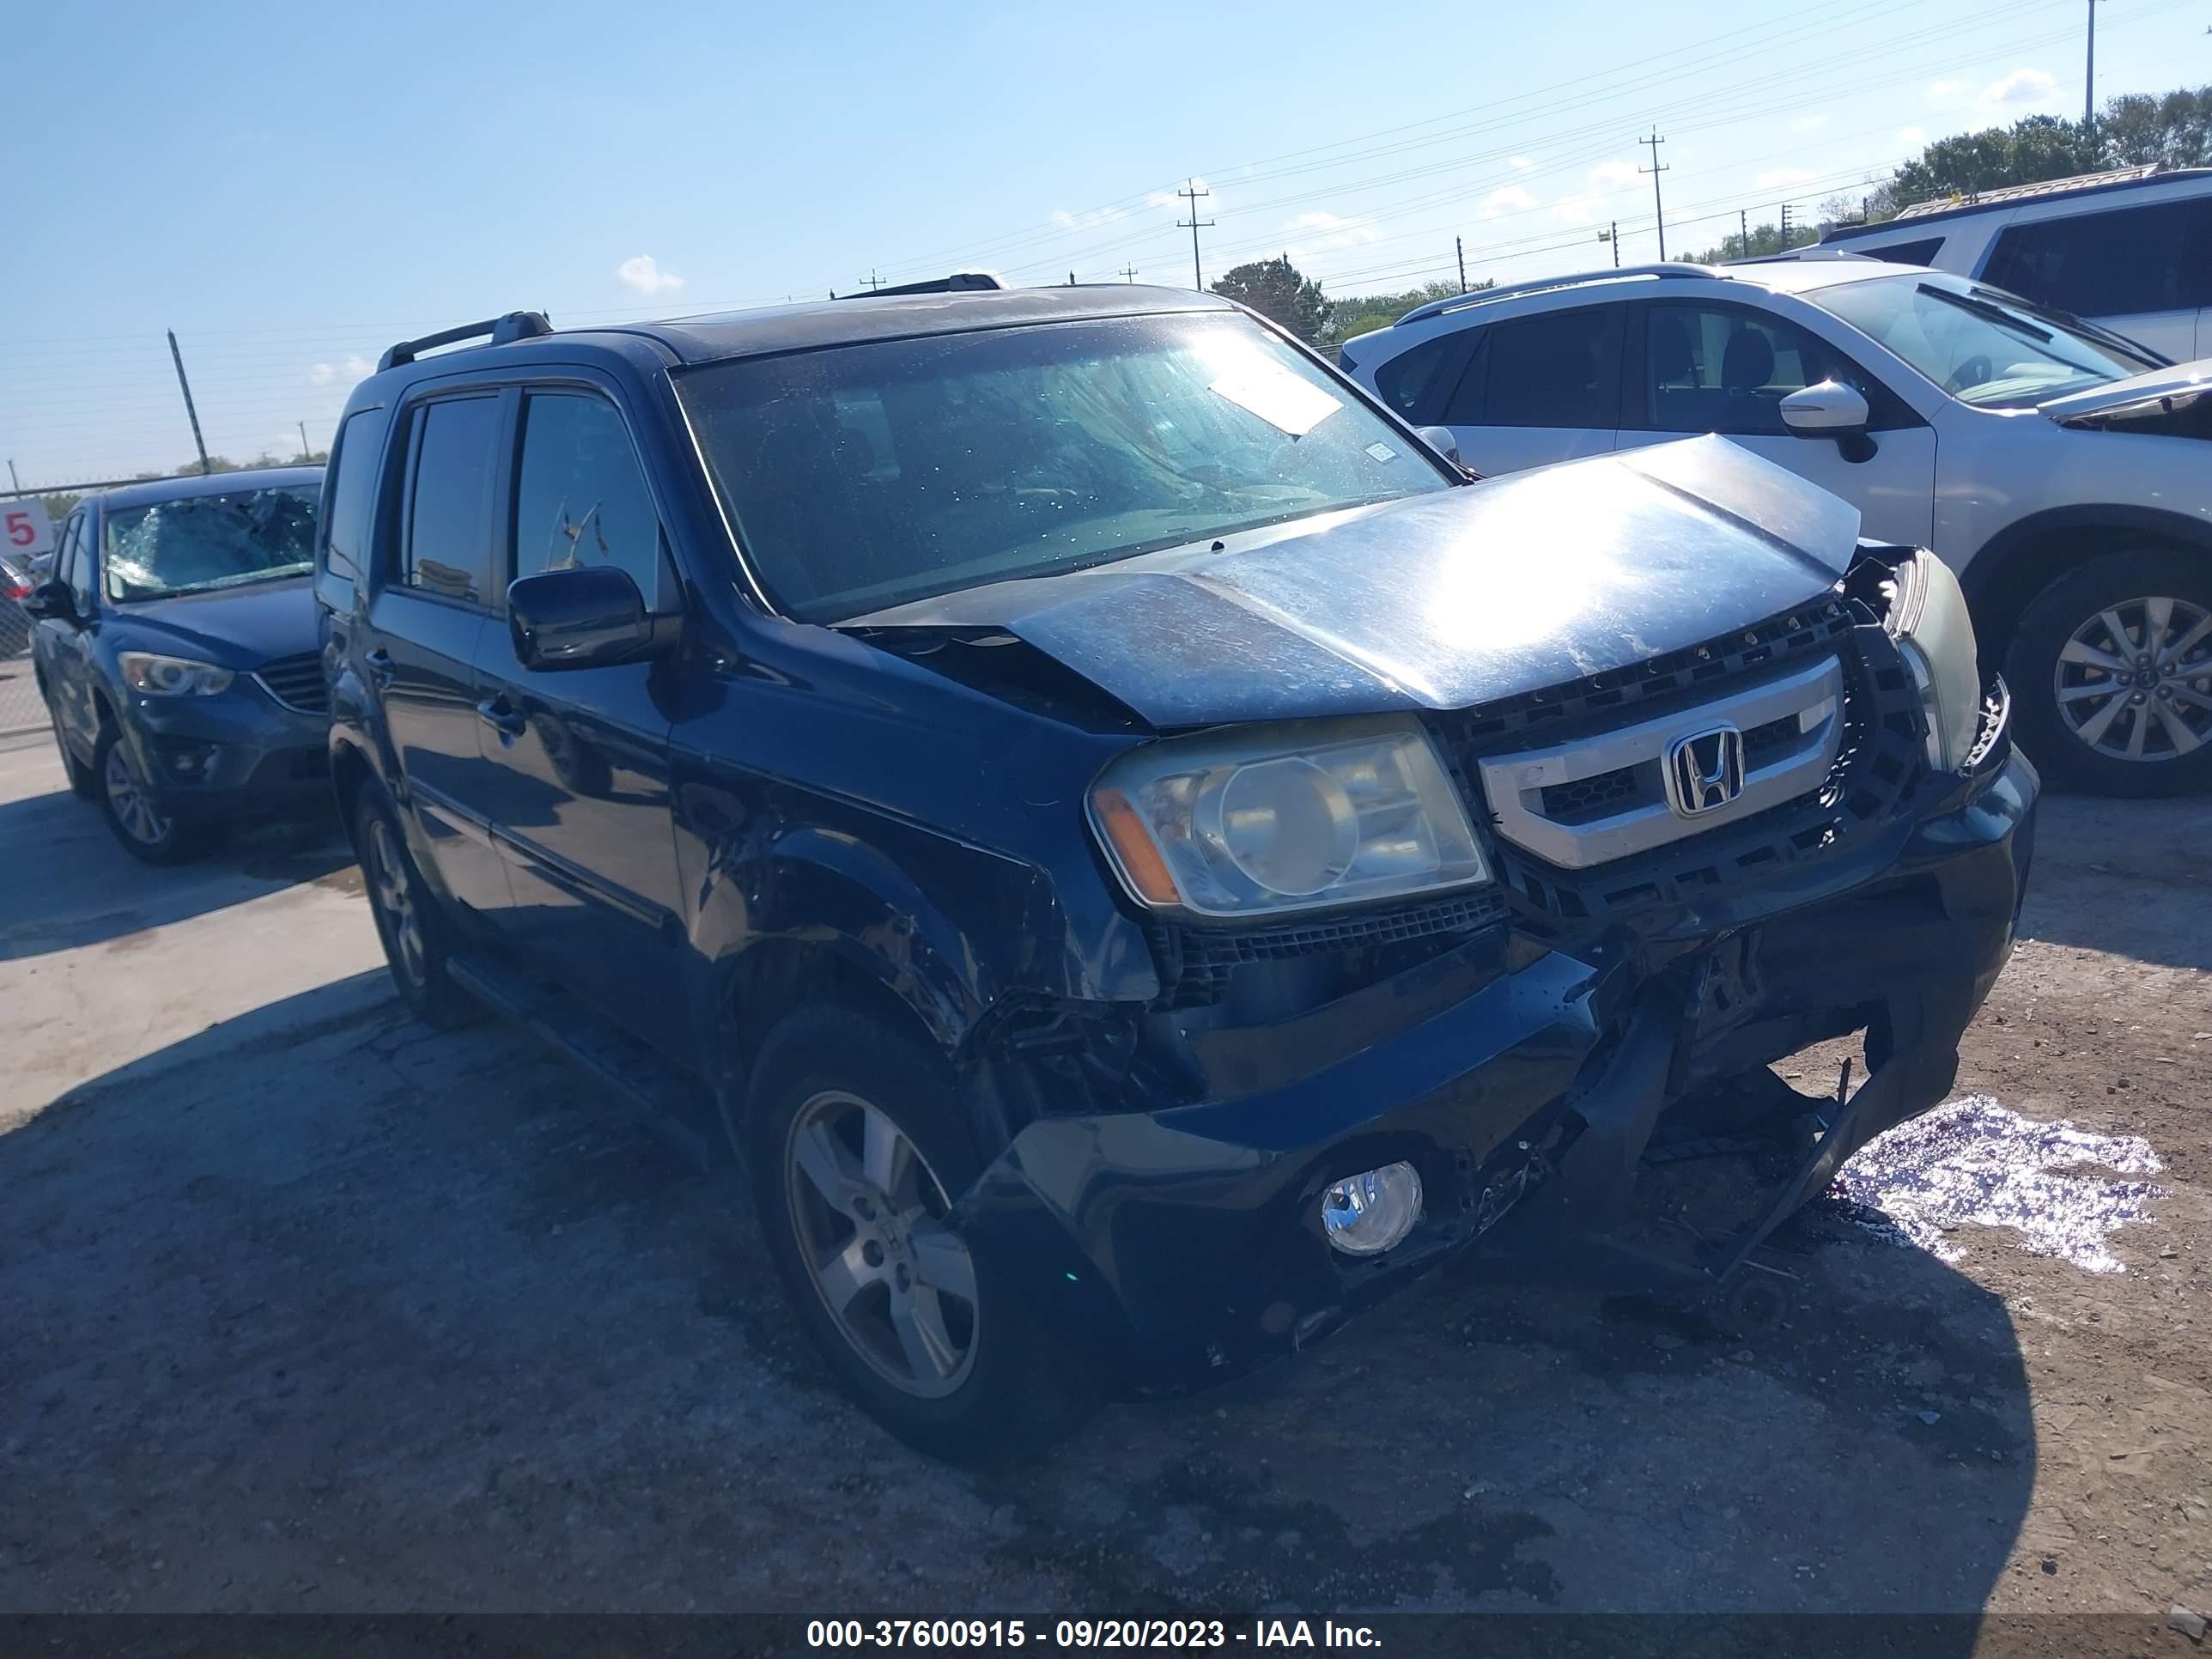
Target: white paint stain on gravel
{"x":1973,"y":1162}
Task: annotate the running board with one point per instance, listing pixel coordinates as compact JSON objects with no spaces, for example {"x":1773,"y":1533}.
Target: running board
{"x":667,"y":1098}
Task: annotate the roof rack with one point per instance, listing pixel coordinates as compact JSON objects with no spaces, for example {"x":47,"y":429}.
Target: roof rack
{"x":1674,"y":269}
{"x":959,"y":282}
{"x":501,"y":331}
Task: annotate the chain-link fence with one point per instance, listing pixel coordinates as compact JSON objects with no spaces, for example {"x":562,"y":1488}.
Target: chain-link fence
{"x":20,"y":709}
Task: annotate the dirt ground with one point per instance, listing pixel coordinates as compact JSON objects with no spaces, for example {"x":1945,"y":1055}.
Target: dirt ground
{"x":331,"y":1312}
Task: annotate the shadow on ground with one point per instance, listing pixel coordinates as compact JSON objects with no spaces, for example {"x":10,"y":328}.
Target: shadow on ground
{"x":64,"y":882}
{"x":333,"y":1313}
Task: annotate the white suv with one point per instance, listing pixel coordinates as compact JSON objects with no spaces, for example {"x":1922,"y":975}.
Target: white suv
{"x":2063,"y":472}
{"x":2130,"y":249}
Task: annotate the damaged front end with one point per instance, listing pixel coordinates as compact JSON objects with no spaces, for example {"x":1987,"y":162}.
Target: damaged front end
{"x":1612,"y":998}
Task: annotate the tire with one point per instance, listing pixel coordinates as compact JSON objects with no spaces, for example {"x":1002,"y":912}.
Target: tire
{"x":147,"y":833}
{"x":2065,"y":738}
{"x":983,"y":1385}
{"x":416,"y":937}
{"x":84,"y":781}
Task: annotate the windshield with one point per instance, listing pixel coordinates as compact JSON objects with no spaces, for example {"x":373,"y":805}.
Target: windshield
{"x":1984,"y":346}
{"x":201,"y":541}
{"x":861,"y":477}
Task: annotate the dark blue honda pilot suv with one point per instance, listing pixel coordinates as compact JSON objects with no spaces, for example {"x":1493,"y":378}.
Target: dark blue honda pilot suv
{"x":1147,"y":855}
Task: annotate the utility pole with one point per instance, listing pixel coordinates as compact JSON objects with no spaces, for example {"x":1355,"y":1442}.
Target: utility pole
{"x":1612,"y":234}
{"x":1070,"y":279}
{"x":1658,"y":210}
{"x":1743,"y":229}
{"x":2089,"y":73}
{"x":1190,"y":192}
{"x":190,"y":414}
{"x":1128,"y":273}
{"x":1460,"y":248}
{"x":1785,"y":226}
{"x":871,"y":282}
{"x":303,"y":450}
{"x":15,"y":483}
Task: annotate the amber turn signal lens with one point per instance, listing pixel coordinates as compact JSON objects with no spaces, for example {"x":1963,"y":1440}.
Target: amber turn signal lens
{"x":1132,"y":846}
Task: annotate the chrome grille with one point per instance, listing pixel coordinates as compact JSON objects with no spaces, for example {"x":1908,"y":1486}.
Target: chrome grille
{"x":1603,"y":797}
{"x":296,"y":682}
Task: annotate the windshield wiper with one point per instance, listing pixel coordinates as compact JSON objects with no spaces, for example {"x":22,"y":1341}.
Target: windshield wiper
{"x":1988,"y":312}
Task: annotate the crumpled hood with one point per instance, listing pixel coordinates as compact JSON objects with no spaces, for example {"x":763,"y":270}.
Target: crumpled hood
{"x":234,"y":626}
{"x":2178,"y":381}
{"x":1444,"y":601}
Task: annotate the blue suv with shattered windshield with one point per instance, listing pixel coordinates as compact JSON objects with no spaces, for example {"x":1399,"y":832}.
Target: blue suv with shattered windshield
{"x":1145,"y":854}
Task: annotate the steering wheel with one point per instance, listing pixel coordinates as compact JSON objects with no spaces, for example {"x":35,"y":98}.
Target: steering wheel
{"x":1975,"y":371}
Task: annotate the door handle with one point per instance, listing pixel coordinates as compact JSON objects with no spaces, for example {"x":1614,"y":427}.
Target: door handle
{"x":503,"y":717}
{"x":381,"y":667}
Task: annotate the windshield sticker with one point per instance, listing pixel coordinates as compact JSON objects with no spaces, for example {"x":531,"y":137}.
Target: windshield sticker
{"x":1277,"y":397}
{"x":1382,"y":451}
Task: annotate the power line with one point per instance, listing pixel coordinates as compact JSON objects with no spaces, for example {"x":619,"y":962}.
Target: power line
{"x":1191,"y":192}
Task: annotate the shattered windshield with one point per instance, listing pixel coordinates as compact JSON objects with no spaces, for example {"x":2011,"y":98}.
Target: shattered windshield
{"x":866,"y":476}
{"x":1984,"y":346}
{"x":200,"y":542}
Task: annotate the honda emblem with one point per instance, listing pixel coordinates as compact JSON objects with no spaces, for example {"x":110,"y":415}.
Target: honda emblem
{"x":1704,"y":770}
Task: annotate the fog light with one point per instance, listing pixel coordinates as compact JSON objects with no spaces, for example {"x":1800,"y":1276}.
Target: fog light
{"x":1365,"y":1214}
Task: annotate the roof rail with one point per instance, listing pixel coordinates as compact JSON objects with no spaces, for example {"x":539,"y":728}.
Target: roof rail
{"x":959,"y":282}
{"x":1672,"y":269}
{"x":501,"y":331}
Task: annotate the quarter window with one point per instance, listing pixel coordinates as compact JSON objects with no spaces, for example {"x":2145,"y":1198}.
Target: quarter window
{"x":1559,"y":369}
{"x":580,"y":497}
{"x":2111,"y":265}
{"x":448,"y":549}
{"x":1922,"y":253}
{"x":1419,"y":381}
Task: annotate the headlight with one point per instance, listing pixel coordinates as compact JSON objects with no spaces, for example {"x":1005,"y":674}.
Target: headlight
{"x":172,"y":676}
{"x":1260,"y":821}
{"x":1936,"y":638}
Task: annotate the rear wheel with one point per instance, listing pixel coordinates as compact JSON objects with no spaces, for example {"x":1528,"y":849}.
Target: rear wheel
{"x":146,"y":828}
{"x":414,"y":934}
{"x":857,"y":1148}
{"x":2111,"y":674}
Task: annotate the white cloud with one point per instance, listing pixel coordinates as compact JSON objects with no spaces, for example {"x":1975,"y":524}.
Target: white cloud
{"x":349,"y":368}
{"x":1519,"y":163}
{"x":1319,"y":232}
{"x":1613,"y":172}
{"x":1912,"y":138}
{"x":1812,"y":123}
{"x":643,"y":273}
{"x":2026,"y":86}
{"x":1943,"y":92}
{"x":1095,"y":217}
{"x":1511,"y":199}
{"x":1782,"y":178}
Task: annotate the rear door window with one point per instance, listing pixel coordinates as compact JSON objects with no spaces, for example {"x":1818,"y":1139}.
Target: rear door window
{"x":2117,"y":263}
{"x":447,"y":551}
{"x":1561,"y":369}
{"x":350,"y":499}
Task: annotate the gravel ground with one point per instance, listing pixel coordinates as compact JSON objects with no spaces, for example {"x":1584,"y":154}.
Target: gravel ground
{"x":327,"y":1312}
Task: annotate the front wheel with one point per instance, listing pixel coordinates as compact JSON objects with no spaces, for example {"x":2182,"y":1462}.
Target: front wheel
{"x":857,"y":1149}
{"x":148,"y":831}
{"x":2111,"y":673}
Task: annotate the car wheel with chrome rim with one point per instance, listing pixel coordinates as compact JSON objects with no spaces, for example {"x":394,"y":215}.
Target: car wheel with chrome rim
{"x":2111,"y":675}
{"x":414,"y":933}
{"x":147,"y":827}
{"x":859,"y":1150}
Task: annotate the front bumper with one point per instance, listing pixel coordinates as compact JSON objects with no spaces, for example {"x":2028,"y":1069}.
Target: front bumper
{"x":240,"y":756}
{"x":1183,"y":1245}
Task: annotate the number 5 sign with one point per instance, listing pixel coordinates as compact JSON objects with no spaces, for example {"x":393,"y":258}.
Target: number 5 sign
{"x":24,"y":528}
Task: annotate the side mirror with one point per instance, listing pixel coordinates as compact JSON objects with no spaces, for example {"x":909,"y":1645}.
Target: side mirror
{"x":1440,"y":439}
{"x":579,"y":616}
{"x":1830,"y":409}
{"x":51,"y":599}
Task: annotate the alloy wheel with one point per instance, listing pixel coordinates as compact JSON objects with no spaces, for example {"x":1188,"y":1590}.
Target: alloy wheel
{"x":128,"y":799}
{"x":2133,"y":682}
{"x":393,"y":893}
{"x":899,"y":1283}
